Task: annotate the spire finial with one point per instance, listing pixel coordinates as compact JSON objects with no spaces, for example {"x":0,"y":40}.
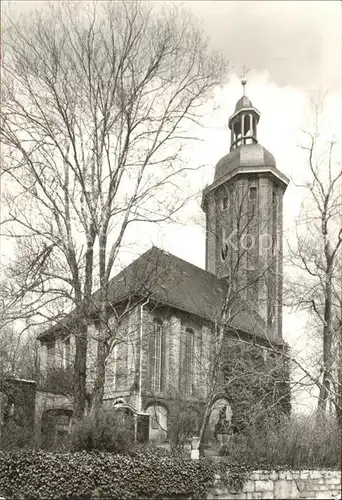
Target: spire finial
{"x":243,"y":78}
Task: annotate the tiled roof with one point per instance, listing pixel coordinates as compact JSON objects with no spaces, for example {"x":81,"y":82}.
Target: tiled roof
{"x":172,"y":281}
{"x":247,"y":155}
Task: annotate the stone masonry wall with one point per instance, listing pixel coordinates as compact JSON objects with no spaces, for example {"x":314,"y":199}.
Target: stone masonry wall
{"x":262,"y":484}
{"x":47,"y":401}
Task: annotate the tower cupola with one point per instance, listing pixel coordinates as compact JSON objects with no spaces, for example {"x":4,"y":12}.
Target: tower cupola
{"x":243,"y":122}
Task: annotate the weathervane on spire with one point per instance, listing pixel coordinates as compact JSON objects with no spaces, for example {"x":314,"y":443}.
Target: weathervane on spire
{"x":243,"y":78}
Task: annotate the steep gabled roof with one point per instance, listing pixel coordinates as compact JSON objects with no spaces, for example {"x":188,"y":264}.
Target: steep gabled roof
{"x":169,"y":280}
{"x":172,"y":281}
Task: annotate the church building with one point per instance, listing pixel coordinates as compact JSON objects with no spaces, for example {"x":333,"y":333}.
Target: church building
{"x":164,"y":344}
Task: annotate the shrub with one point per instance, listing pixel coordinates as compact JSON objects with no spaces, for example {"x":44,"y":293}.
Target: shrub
{"x":14,"y":436}
{"x":111,"y":432}
{"x":148,"y":473}
{"x":257,"y":388}
{"x":296,"y":442}
{"x":183,"y":422}
{"x":57,"y":380}
{"x":16,"y":413}
{"x":233,"y":475}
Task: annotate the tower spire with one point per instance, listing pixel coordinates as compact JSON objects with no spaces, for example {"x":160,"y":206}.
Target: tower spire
{"x":243,"y":78}
{"x":243,"y":122}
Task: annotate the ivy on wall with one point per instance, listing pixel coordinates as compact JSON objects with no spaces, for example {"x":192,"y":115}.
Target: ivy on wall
{"x":256,"y":383}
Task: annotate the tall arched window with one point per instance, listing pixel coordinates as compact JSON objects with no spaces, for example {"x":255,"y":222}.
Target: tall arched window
{"x":157,"y":355}
{"x":189,"y":355}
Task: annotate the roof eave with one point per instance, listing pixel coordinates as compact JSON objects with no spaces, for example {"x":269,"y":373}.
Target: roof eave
{"x":173,"y":305}
{"x":54,"y":329}
{"x":245,"y":170}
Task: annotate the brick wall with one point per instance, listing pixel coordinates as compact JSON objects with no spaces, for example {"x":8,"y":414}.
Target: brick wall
{"x":267,"y":293}
{"x":17,"y":405}
{"x":263,"y":484}
{"x":210,"y":252}
{"x":46,"y":401}
{"x":122,"y":361}
{"x":174,"y":327}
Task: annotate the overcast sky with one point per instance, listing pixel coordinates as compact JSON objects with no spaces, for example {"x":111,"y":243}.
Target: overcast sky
{"x":298,"y":43}
{"x":293,"y":52}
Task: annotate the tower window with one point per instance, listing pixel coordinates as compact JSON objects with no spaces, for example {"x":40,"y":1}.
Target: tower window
{"x":224,"y":247}
{"x":252,"y":285}
{"x":225,"y":203}
{"x":247,"y":125}
{"x":224,"y":251}
{"x":271,"y":315}
{"x":237,"y":129}
{"x":274,"y":245}
{"x":237,"y":134}
{"x":252,"y":193}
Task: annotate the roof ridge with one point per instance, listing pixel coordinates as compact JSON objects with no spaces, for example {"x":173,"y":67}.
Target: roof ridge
{"x":131,"y":264}
{"x":183,"y":260}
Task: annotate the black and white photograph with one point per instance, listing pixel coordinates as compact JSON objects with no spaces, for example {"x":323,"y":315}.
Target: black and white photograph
{"x":170,"y":249}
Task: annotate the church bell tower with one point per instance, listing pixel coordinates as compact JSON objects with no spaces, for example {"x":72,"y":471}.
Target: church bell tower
{"x":244,"y":219}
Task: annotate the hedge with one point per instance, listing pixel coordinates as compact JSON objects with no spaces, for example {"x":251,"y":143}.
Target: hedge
{"x":149,"y":473}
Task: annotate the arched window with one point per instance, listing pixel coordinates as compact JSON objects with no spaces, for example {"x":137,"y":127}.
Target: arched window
{"x":237,"y":133}
{"x":247,"y":126}
{"x":224,"y":246}
{"x":188,"y":367}
{"x":157,"y":355}
{"x":253,"y":193}
{"x":224,"y":251}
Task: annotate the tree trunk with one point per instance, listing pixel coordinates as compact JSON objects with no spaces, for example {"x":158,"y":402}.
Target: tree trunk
{"x":215,"y":369}
{"x":204,"y":424}
{"x":101,"y":357}
{"x":80,"y":370}
{"x":98,"y":389}
{"x":327,"y":343}
{"x":338,"y":397}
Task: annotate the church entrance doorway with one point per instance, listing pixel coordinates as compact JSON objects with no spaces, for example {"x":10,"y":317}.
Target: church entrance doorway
{"x":158,"y":423}
{"x":219,"y":422}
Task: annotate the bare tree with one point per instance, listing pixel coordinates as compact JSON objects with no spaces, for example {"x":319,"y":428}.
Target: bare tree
{"x":18,"y":353}
{"x":97,"y":103}
{"x":337,"y":347}
{"x":316,"y":256}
